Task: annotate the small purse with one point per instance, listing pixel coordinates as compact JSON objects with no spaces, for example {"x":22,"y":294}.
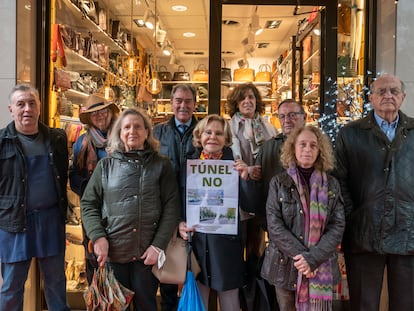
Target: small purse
{"x":174,"y":269}
{"x":181,"y":74}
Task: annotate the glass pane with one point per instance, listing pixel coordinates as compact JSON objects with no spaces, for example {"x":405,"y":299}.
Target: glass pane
{"x":351,"y":62}
{"x":26,"y":45}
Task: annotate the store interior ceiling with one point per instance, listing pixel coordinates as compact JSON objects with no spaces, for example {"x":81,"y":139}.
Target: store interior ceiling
{"x":236,"y":24}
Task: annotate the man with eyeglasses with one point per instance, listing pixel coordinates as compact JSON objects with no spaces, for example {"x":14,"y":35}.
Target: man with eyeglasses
{"x":176,"y":142}
{"x":291,"y":115}
{"x":375,"y":168}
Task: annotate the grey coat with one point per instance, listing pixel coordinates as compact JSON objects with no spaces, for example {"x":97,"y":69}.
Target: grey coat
{"x":286,"y":225}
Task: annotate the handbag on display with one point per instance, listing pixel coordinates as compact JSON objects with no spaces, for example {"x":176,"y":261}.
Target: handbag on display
{"x":174,"y":269}
{"x":181,"y":74}
{"x":201,"y":73}
{"x":225,"y":72}
{"x":164,"y":74}
{"x":264,"y":73}
{"x":62,"y":79}
{"x":244,"y":74}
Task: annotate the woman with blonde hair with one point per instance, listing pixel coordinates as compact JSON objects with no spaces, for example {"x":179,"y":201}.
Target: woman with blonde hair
{"x":306,"y":221}
{"x":220,"y":255}
{"x":130,"y":206}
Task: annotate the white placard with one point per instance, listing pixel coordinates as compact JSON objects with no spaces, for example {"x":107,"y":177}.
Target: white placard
{"x":212,"y":196}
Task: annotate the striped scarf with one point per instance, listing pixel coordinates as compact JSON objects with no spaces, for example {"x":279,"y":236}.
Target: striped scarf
{"x":314,"y":293}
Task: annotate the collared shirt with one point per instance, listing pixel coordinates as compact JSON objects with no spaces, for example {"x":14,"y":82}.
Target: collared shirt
{"x":387,"y":128}
{"x":178,"y":124}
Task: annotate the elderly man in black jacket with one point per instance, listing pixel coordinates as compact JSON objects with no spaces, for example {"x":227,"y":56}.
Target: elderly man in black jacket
{"x":375,"y":168}
{"x":33,"y":202}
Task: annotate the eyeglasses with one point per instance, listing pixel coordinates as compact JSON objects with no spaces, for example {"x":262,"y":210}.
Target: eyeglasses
{"x":99,"y":112}
{"x":382,"y":92}
{"x":290,"y":115}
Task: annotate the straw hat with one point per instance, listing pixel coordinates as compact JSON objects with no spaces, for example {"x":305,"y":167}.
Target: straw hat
{"x":95,"y":102}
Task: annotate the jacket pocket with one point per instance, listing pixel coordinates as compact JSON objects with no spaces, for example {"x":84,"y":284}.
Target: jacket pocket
{"x":8,"y":211}
{"x":275,"y":267}
{"x":6,"y":202}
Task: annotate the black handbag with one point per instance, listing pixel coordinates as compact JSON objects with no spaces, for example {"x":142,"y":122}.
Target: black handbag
{"x":225,"y":72}
{"x":181,"y":74}
{"x":251,"y":197}
{"x":164,"y":74}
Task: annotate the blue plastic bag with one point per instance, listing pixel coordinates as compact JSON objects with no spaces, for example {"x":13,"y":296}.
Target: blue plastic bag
{"x":190,"y":299}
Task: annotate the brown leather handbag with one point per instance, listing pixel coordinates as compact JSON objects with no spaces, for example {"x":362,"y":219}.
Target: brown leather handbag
{"x":264,"y":73}
{"x":244,"y":74}
{"x":174,"y":269}
{"x":201,"y":73}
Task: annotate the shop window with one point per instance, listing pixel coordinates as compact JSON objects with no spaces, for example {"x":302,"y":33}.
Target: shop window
{"x":26,"y":44}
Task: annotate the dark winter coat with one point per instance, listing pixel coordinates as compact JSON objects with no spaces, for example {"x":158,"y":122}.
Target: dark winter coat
{"x":133,"y":202}
{"x":268,"y":158}
{"x":13,"y":177}
{"x":286,"y":225}
{"x":220,"y":255}
{"x":176,"y":148}
{"x":377,"y":183}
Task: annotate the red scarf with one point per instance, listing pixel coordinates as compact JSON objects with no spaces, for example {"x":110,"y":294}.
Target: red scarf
{"x":207,"y":156}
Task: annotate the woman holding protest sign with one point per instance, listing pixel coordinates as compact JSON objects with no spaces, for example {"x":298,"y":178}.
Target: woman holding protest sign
{"x":220,"y":255}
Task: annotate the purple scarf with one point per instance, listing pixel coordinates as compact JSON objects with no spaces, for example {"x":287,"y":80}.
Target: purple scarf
{"x":314,"y":293}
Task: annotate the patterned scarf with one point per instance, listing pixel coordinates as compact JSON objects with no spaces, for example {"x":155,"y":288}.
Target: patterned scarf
{"x":254,"y":130}
{"x":93,"y":139}
{"x":314,"y":293}
{"x":207,"y":156}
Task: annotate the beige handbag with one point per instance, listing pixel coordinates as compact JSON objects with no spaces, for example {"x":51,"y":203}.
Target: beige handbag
{"x":244,"y":74}
{"x":264,"y":73}
{"x":174,"y":269}
{"x":201,"y":73}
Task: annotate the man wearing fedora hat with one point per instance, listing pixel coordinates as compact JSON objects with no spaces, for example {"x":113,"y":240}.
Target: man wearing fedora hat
{"x":98,"y":117}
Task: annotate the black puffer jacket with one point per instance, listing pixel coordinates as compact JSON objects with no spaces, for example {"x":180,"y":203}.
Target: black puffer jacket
{"x":377,"y":183}
{"x":13,"y":177}
{"x":133,"y":202}
{"x":286,"y":225}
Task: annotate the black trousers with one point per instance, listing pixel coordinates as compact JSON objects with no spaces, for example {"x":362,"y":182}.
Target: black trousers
{"x":169,"y":297}
{"x":365,"y":276}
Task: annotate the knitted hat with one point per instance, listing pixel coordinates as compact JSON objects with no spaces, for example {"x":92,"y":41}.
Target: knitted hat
{"x":95,"y":102}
